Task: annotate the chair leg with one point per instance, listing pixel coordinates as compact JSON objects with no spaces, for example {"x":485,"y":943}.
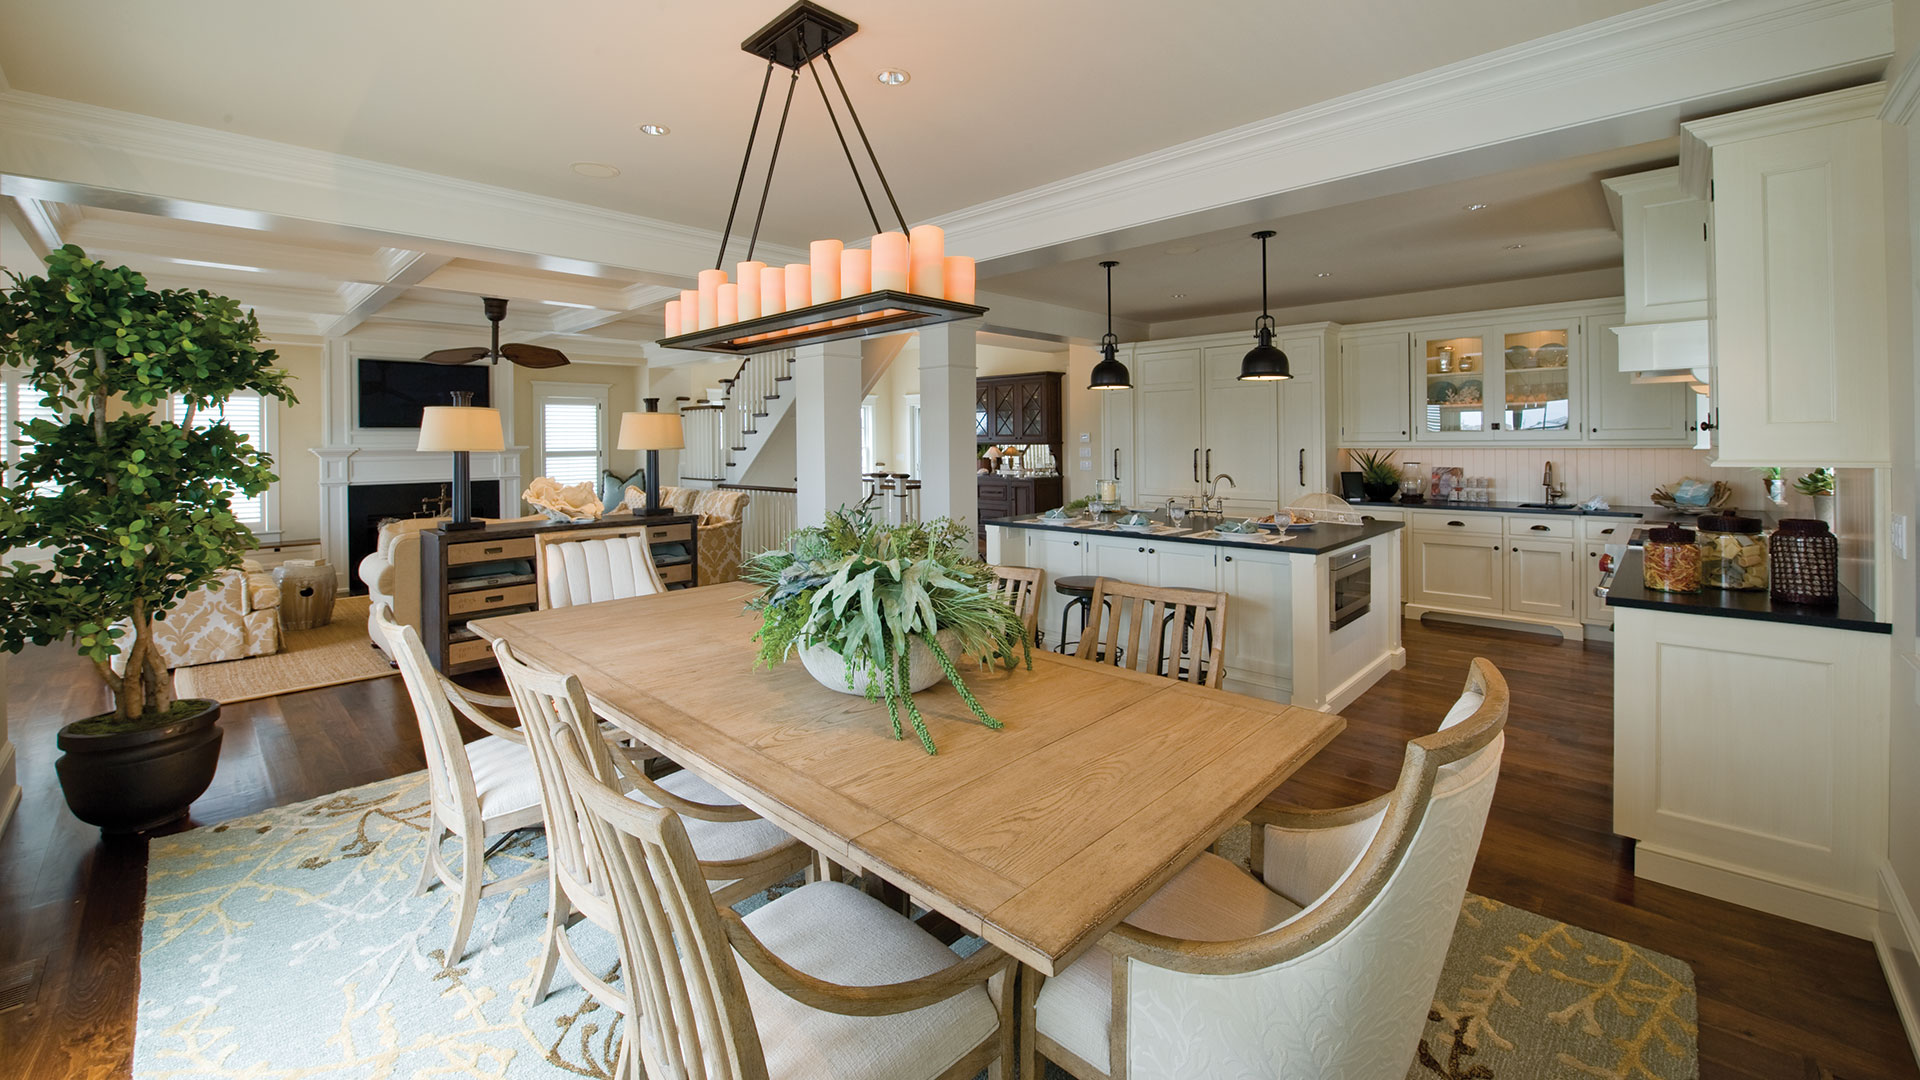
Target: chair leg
{"x":558,"y":912}
{"x":473,"y":871}
{"x":435,"y":834}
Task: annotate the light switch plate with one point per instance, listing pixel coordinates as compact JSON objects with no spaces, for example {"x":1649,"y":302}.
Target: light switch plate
{"x":1086,"y":451}
{"x":1086,"y":466}
{"x":1899,"y":530}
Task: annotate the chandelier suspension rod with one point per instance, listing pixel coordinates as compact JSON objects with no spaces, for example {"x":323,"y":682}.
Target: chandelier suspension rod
{"x":864,"y":141}
{"x":726,"y":234}
{"x":844,"y":149}
{"x":779,"y":134}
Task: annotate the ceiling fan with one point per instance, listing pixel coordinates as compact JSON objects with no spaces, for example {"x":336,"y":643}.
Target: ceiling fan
{"x":528,"y":356}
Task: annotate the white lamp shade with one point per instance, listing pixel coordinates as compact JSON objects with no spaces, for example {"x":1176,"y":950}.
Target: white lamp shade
{"x":460,"y":427}
{"x":650,"y":431}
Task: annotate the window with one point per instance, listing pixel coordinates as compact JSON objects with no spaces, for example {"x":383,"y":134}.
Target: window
{"x":252,"y":417}
{"x":866,"y":435}
{"x":913,"y":434}
{"x":19,"y":403}
{"x":572,"y":432}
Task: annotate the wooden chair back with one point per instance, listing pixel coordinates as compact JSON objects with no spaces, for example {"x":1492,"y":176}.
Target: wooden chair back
{"x":1146,"y":627}
{"x":676,"y":964}
{"x":587,"y":566}
{"x":449,"y":774}
{"x":1020,"y":585}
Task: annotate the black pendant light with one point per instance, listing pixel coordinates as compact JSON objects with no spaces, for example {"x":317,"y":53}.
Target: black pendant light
{"x":1110,"y":373}
{"x":1264,"y":363}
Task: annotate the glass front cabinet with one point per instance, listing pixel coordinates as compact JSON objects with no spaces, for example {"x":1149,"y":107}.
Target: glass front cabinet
{"x":1508,"y":382}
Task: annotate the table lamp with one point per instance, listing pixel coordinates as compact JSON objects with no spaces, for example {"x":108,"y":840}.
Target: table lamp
{"x":652,"y":431}
{"x":461,"y":428}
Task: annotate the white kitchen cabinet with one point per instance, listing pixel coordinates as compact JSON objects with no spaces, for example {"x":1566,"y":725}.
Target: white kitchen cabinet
{"x":1520,"y":568}
{"x":1663,"y":232}
{"x":1505,"y":382}
{"x":1240,"y":430}
{"x":1375,"y":409}
{"x":1798,"y":279}
{"x":1303,"y":441}
{"x":1457,"y":571}
{"x":1540,"y":578}
{"x":1116,"y":434}
{"x":1622,"y":412}
{"x":1060,"y":555}
{"x":1167,"y":394}
{"x":1259,"y":587}
{"x":1143,"y":561}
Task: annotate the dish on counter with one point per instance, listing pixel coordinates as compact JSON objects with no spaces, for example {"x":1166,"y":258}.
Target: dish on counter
{"x":1235,"y":528}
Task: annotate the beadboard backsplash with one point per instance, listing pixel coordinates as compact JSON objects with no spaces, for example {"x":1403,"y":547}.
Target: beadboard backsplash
{"x":1625,"y":477}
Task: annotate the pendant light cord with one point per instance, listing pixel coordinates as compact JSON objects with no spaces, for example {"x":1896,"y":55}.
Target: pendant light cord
{"x":1265,"y":319}
{"x":864,"y":141}
{"x":778,"y":135}
{"x":1110,"y":341}
{"x":726,"y":234}
{"x":844,"y":148}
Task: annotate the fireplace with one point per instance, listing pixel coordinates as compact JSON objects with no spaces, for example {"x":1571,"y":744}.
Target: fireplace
{"x":370,"y":504}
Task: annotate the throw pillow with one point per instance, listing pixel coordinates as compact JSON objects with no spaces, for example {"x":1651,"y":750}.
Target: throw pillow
{"x":613,"y":487}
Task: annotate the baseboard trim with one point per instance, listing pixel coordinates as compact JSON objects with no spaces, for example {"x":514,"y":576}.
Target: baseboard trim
{"x":1363,"y":680}
{"x":1571,"y":631}
{"x":1895,"y":937}
{"x":1800,"y":901}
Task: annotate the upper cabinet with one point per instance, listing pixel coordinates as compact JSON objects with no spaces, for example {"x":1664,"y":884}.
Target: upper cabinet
{"x":1798,"y":278}
{"x":1663,"y":234}
{"x":1515,"y":380}
{"x":1623,"y":412}
{"x":1018,"y":409}
{"x":1374,"y":406}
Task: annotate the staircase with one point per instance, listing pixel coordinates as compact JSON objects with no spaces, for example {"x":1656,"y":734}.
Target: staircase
{"x":724,"y":438}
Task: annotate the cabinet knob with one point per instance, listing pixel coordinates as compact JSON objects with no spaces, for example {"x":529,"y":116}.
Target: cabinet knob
{"x":1706,"y":425}
{"x":1152,"y":551}
{"x":1140,"y":549}
{"x":1229,"y":558}
{"x":1516,"y":551}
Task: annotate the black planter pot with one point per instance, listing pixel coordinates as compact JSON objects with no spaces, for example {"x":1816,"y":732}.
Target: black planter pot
{"x":1379,"y":492}
{"x":132,"y":781}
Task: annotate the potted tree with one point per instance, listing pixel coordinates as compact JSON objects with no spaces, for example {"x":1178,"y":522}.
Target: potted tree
{"x":129,"y":509}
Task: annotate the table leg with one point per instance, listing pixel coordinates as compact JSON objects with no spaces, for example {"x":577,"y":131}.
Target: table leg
{"x":885,"y":891}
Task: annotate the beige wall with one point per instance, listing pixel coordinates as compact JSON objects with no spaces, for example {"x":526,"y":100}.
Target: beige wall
{"x":624,"y":380}
{"x":300,"y":432}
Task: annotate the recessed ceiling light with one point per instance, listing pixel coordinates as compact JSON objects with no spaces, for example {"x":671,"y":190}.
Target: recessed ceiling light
{"x":1178,"y":296}
{"x":599,"y":170}
{"x":1475,"y":206}
{"x":1515,"y":247}
{"x":1182,"y":249}
{"x":220,"y":265}
{"x":655,"y":129}
{"x":564,"y":303}
{"x":892,"y":76}
{"x":1324,"y":273}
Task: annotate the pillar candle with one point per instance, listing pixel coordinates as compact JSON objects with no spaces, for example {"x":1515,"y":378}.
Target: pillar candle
{"x":747,"y":276}
{"x":799,"y":286}
{"x":673,"y":318}
{"x":826,"y":270}
{"x":929,"y":261}
{"x":710,"y":281}
{"x":890,"y":261}
{"x":773,"y":290}
{"x":689,"y":310}
{"x":726,"y":308}
{"x":959,"y":278}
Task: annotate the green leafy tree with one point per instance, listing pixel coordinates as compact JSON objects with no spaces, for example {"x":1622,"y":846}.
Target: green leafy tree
{"x":132,"y":509}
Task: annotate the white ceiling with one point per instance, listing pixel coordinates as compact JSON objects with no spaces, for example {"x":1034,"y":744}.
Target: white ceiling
{"x":1005,"y":94}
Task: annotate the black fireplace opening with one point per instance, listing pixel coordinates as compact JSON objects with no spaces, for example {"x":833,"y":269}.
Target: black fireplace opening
{"x":371,"y":505}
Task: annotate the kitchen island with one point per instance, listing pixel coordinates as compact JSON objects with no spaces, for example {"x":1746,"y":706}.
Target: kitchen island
{"x":1282,"y":642}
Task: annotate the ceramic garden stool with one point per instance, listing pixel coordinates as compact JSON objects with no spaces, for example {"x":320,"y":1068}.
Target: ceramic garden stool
{"x":306,"y":594}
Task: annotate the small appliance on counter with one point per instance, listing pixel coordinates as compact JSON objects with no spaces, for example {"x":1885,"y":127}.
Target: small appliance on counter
{"x":1351,"y":488}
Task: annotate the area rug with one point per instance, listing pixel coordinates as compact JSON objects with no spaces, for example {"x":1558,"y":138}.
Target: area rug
{"x":288,"y":945}
{"x":339,"y":652}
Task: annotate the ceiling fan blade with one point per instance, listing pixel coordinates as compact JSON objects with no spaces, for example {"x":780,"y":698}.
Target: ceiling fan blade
{"x":456,"y":356}
{"x":534,"y":356}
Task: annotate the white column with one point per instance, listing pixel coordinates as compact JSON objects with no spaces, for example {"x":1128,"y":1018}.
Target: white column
{"x":826,"y":428}
{"x":948,"y":449}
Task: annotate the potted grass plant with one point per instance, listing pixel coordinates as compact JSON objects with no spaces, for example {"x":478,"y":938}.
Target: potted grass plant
{"x":884,"y":610}
{"x":1379,"y":476}
{"x":128,"y":509}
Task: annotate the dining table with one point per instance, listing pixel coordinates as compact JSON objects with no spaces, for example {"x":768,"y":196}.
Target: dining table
{"x":1038,"y":837}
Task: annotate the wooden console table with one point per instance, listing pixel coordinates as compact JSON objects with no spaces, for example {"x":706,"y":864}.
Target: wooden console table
{"x":472,"y":573}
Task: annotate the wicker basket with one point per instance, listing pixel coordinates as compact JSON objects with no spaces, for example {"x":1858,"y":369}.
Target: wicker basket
{"x":1722,"y":493}
{"x":1320,"y":506}
{"x":1806,"y":562}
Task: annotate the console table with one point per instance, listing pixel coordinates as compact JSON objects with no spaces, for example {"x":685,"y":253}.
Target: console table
{"x":475,"y":573}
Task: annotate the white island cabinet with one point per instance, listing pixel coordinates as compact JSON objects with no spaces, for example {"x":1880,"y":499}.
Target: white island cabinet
{"x":1280,"y":644}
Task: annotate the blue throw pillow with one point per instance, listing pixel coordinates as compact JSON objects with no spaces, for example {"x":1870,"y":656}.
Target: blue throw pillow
{"x":613,"y":489}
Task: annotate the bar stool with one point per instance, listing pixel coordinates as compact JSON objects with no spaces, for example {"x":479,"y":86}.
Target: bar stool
{"x":883,"y":497}
{"x":1079,"y":593}
{"x":898,"y":514}
{"x":913,"y":500}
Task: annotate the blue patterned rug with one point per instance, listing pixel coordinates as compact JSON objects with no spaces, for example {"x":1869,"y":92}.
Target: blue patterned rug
{"x":288,"y":945}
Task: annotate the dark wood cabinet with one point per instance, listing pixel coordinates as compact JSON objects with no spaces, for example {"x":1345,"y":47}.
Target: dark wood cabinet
{"x":1013,"y":496}
{"x":1019,"y":409}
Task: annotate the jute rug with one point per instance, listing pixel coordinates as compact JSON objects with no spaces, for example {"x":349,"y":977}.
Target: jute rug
{"x":339,"y":652}
{"x":288,"y":945}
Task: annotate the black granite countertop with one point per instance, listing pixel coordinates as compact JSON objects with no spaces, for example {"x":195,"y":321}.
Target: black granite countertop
{"x":1651,"y":513}
{"x":1630,"y":590}
{"x":1319,"y":540}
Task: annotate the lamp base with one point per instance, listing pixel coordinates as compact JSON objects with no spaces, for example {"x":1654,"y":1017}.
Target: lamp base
{"x":462,"y":526}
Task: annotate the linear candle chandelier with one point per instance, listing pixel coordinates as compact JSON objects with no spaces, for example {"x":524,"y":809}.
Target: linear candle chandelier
{"x":902,"y":281}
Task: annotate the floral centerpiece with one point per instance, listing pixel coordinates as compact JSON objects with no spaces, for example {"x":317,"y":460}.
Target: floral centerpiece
{"x":883,"y":610}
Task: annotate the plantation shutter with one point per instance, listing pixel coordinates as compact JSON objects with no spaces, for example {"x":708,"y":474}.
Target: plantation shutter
{"x":23,"y":403}
{"x":570,"y":440}
{"x":246,"y":413}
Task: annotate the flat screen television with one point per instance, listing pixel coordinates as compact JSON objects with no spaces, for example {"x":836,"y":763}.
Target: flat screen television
{"x":392,"y":392}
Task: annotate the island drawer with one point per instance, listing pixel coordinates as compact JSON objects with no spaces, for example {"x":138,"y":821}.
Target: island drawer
{"x":1462,"y":523}
{"x":483,"y":599}
{"x":489,"y":550}
{"x":1610,"y":530}
{"x":1539,"y":527}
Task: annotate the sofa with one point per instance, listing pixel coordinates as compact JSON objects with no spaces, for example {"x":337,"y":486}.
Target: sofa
{"x":391,"y":572}
{"x":722,"y":522}
{"x":235,"y":616}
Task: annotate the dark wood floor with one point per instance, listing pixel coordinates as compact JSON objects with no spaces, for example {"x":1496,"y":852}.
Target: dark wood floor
{"x":1777,"y":999}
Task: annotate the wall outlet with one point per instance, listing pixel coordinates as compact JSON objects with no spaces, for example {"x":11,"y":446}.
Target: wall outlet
{"x":1899,"y":530}
{"x":1086,"y":466}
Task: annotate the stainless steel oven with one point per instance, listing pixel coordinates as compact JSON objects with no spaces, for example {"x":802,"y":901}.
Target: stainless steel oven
{"x":1350,"y":581}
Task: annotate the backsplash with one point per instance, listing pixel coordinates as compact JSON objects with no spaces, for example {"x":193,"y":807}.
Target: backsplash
{"x":1625,"y":477}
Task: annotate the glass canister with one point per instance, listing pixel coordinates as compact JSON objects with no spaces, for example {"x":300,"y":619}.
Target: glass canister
{"x":1806,"y":562}
{"x":1733,"y":553}
{"x":1672,"y":560}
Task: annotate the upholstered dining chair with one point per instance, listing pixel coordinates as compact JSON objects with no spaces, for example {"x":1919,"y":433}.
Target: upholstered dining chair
{"x":1322,"y":967}
{"x":1020,"y":585}
{"x":479,"y":789}
{"x":1155,"y":630}
{"x":586,"y":566}
{"x":834,"y":983}
{"x":740,"y":853}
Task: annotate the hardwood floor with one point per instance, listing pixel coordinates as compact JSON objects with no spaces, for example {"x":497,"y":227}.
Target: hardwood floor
{"x":1777,"y":999}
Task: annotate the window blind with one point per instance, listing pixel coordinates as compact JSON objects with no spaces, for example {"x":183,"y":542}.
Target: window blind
{"x":246,"y":414}
{"x":570,"y":441}
{"x":22,"y":403}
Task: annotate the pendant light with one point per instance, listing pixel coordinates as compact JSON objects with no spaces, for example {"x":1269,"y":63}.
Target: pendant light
{"x":1264,"y":363}
{"x":1110,"y":373}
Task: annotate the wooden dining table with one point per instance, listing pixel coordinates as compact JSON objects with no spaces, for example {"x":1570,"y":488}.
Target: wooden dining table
{"x":1038,"y":837}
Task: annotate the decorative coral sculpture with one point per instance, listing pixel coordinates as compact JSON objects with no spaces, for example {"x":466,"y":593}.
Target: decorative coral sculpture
{"x":576,"y":503}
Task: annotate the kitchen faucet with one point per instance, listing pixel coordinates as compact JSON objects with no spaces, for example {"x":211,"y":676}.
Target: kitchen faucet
{"x":1214,"y":504}
{"x":1553,"y":493}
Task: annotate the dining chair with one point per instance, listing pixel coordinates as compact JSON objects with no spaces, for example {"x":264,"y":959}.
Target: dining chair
{"x":587,"y":566}
{"x":834,"y":985}
{"x":1322,"y":966}
{"x":1020,"y":585}
{"x":740,"y":852}
{"x":484,"y":788}
{"x":1172,"y":618}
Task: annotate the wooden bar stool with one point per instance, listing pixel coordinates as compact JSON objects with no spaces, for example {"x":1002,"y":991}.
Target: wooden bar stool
{"x":1079,"y":594}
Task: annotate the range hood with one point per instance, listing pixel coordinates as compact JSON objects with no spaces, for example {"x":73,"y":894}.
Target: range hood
{"x":1666,"y":352}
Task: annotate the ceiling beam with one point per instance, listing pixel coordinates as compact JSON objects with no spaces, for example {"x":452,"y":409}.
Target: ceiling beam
{"x":410,"y":269}
{"x":36,"y":221}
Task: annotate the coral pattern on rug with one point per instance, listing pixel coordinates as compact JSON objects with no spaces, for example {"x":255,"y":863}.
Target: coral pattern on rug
{"x":288,"y":945}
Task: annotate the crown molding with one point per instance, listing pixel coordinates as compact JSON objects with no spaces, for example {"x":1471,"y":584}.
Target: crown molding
{"x":1699,"y":137}
{"x":1656,"y":60}
{"x":1903,"y":95}
{"x":264,"y":184}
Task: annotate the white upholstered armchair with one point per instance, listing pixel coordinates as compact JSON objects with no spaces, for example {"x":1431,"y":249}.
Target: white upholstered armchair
{"x":1324,"y":970}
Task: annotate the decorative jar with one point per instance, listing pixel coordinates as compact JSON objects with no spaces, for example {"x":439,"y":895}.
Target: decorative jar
{"x":1806,"y":562}
{"x":1733,"y":553}
{"x":1672,"y":560}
